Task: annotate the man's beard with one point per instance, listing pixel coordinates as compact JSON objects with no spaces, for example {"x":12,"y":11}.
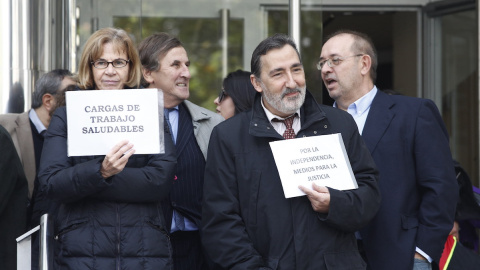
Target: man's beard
{"x":284,"y":104}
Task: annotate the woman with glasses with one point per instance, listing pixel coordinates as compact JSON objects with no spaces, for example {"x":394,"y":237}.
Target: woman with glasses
{"x":106,"y":208}
{"x":237,"y":94}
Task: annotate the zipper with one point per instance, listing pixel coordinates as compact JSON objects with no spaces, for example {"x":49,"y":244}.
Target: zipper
{"x":161,"y":229}
{"x":164,"y":232}
{"x":69,"y":229}
{"x":118,"y":236}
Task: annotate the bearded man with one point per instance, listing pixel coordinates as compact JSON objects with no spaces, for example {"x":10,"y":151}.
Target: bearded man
{"x":247,"y":223}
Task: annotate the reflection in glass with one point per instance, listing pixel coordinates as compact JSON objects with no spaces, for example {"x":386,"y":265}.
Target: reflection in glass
{"x":310,"y":45}
{"x":16,"y":100}
{"x":202,"y":40}
{"x":459,"y":48}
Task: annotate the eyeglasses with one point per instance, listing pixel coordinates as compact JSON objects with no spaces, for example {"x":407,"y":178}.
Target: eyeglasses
{"x":117,"y":63}
{"x":335,"y":61}
{"x":222,"y":96}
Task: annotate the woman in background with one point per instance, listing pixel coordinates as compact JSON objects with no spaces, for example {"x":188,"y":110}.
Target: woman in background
{"x":107,"y":212}
{"x":237,"y":94}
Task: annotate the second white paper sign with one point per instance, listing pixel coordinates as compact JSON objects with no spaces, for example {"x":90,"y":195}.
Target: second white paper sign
{"x":319,"y":159}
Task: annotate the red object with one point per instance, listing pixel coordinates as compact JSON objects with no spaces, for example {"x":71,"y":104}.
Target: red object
{"x":448,"y":250}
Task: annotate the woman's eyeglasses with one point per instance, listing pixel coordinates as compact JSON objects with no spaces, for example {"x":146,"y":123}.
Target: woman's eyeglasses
{"x":103,"y":64}
{"x":222,"y":96}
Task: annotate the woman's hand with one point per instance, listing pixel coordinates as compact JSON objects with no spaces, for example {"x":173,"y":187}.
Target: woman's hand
{"x":116,"y":159}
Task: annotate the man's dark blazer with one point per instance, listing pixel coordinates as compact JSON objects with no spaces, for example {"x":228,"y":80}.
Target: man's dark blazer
{"x":409,"y":143}
{"x":203,"y":121}
{"x":187,"y":190}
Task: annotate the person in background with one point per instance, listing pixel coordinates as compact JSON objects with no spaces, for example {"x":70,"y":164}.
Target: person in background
{"x":39,"y":203}
{"x":27,"y":129}
{"x":16,"y":100}
{"x":61,"y":97}
{"x":106,"y":209}
{"x":409,"y":143}
{"x":247,"y":222}
{"x":467,"y":215}
{"x":461,"y":248}
{"x":237,"y":94}
{"x":165,"y":67}
{"x":13,"y":201}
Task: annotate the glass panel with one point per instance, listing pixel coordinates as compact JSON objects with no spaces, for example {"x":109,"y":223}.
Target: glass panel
{"x":459,"y":87}
{"x":396,"y":68}
{"x":197,"y":25}
{"x":310,"y":45}
{"x":201,"y":38}
{"x":94,"y":14}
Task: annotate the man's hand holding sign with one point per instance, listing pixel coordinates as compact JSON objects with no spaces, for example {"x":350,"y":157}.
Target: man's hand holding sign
{"x":308,"y":165}
{"x":318,"y":196}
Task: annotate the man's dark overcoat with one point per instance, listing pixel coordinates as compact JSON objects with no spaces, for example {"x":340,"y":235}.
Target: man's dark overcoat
{"x":247,"y":221}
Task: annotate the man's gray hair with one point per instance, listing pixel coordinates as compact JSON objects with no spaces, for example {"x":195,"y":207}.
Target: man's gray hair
{"x":276,"y":41}
{"x":48,"y":84}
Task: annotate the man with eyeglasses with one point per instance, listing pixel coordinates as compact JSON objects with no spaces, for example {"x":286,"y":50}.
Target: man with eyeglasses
{"x":409,"y":143}
{"x":165,"y":66}
{"x":247,"y":221}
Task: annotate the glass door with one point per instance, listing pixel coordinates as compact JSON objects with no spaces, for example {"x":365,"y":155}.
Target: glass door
{"x":219,"y":36}
{"x":198,"y":24}
{"x":453,"y":36}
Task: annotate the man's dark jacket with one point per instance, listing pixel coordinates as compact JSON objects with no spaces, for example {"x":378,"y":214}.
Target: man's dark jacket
{"x":247,"y":221}
{"x":409,"y":143}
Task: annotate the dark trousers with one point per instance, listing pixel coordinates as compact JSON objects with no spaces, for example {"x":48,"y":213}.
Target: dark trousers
{"x":187,"y":251}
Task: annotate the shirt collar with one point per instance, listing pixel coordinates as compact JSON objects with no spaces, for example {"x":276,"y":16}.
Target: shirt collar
{"x":362,"y":104}
{"x":36,"y":121}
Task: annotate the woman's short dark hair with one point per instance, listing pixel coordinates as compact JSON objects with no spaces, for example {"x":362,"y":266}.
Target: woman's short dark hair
{"x":238,"y":86}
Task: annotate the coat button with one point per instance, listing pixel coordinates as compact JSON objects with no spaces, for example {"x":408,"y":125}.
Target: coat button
{"x":325,"y":126}
{"x":268,"y":127}
{"x":315,"y":132}
{"x":255,"y":124}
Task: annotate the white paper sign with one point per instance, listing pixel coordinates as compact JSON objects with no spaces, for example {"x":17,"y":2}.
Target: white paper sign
{"x":99,"y":119}
{"x":319,"y":159}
